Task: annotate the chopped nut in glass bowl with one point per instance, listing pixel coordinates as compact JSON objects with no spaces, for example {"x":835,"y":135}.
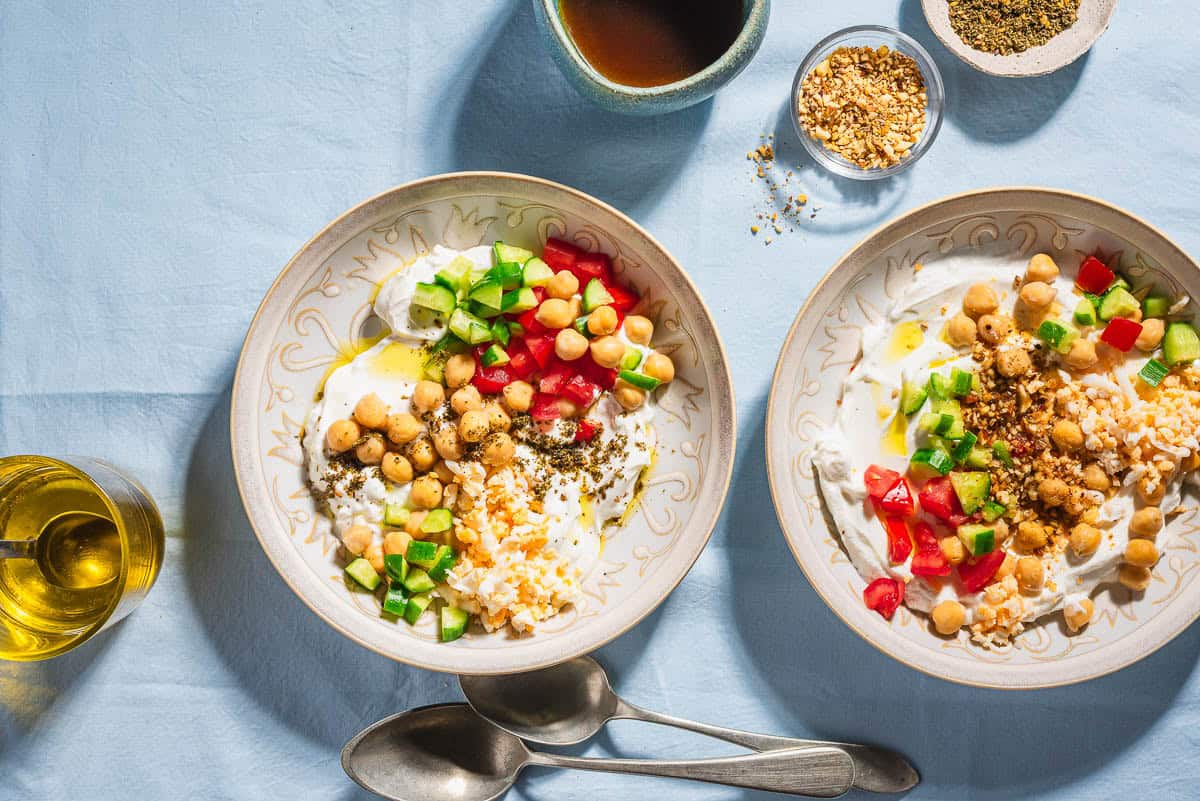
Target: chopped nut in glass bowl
{"x":867,"y":102}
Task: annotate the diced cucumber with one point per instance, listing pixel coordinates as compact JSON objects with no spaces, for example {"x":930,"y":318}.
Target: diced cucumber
{"x":518,"y":300}
{"x":1092,"y":299}
{"x":396,"y":600}
{"x":929,"y":462}
{"x":494,"y":356}
{"x":1153,"y":372}
{"x":595,"y":295}
{"x":954,"y":409}
{"x":361,"y":571}
{"x":417,"y":580}
{"x":979,"y":458}
{"x":435,"y":521}
{"x":515,"y":329}
{"x":1118,"y":302}
{"x":632,"y":359}
{"x":935,"y":423}
{"x":1180,"y":344}
{"x":939,"y":387}
{"x":536,"y":273}
{"x":1000,"y":451}
{"x":395,"y":515}
{"x":508,"y":275}
{"x":972,"y":489}
{"x":455,"y":276}
{"x":1155,"y":306}
{"x":469,"y":328}
{"x":580,"y":325}
{"x":1085,"y":313}
{"x":421,"y":553}
{"x":477,"y":276}
{"x":396,"y":566}
{"x":481,"y":311}
{"x":639,"y":380}
{"x":449,"y":344}
{"x":434,"y":297}
{"x":510,"y":254}
{"x":452,"y":624}
{"x":912,"y":397}
{"x":488,"y":292}
{"x":960,"y":383}
{"x":977,"y":538}
{"x":434,"y":368}
{"x":1120,"y":282}
{"x":416,"y":606}
{"x":444,"y":564}
{"x":1057,"y":335}
{"x":962,"y":448}
{"x":993,"y":511}
{"x":501,"y":332}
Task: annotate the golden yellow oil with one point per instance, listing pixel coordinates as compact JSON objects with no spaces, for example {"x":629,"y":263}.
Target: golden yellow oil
{"x":400,"y":361}
{"x":905,"y":339}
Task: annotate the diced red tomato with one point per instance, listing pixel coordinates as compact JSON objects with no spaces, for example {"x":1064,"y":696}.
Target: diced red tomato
{"x":521,"y":364}
{"x":938,"y":498}
{"x":978,"y":573}
{"x":884,"y":595}
{"x":539,"y":292}
{"x":585,"y":430}
{"x":491,"y":380}
{"x":899,"y":541}
{"x":592,"y":265}
{"x":623,"y":299}
{"x":560,"y":255}
{"x":541,"y":347}
{"x":544,"y":407}
{"x":555,"y":376}
{"x":1094,"y":276}
{"x":929,"y":559}
{"x":579,"y":391}
{"x":879,"y":480}
{"x":898,"y":500}
{"x":528,"y":321}
{"x":1121,"y":333}
{"x":603,"y":377}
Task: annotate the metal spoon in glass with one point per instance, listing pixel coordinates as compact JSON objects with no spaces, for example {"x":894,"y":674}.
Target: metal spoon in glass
{"x":73,"y":550}
{"x":568,"y":703}
{"x":449,"y":753}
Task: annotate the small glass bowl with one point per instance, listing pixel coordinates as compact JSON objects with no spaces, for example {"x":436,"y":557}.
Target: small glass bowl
{"x":872,"y":36}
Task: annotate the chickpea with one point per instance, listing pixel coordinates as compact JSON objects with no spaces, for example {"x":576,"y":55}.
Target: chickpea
{"x":1053,"y":491}
{"x":1134,"y":577}
{"x":979,"y":300}
{"x":498,"y":419}
{"x":1041,"y":268}
{"x":466,"y":399}
{"x":396,"y":543}
{"x":567,"y":409}
{"x":498,"y":449}
{"x":1094,"y":478}
{"x":518,"y":395}
{"x":444,"y":473}
{"x":371,"y":411}
{"x":993,"y":328}
{"x":357,"y":538}
{"x":1085,"y":540}
{"x":1007,"y":567}
{"x":421,"y":454}
{"x":570,"y":345}
{"x":426,"y":492}
{"x":602,"y":321}
{"x":953,"y":550}
{"x":1067,"y":435}
{"x":576,"y":307}
{"x":403,"y":428}
{"x":608,"y":351}
{"x":1152,"y":334}
{"x":396,"y":468}
{"x":1080,"y":616}
{"x":1151,"y":494}
{"x":554,"y":313}
{"x":474,"y":426}
{"x":639,"y":329}
{"x":1082,"y":355}
{"x":371,"y":450}
{"x":948,"y":617}
{"x":413,"y":527}
{"x":427,"y":396}
{"x":563,"y":285}
{"x":448,"y":444}
{"x":1030,"y":535}
{"x":1142,"y":553}
{"x":659,"y":366}
{"x":1076,"y":503}
{"x":629,"y":396}
{"x":342,"y":435}
{"x":1146,"y":522}
{"x":459,"y":370}
{"x":960,"y":331}
{"x":1037,"y":295}
{"x":374,"y":555}
{"x":1030,"y":573}
{"x":1013,"y":362}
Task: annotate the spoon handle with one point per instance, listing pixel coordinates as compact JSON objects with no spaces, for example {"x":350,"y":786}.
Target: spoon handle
{"x":818,"y":772}
{"x":17,"y":549}
{"x":746,"y":739}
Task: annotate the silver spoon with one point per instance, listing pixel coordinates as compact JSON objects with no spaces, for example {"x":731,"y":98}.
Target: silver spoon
{"x":449,"y":753}
{"x":568,"y":703}
{"x":73,"y":550}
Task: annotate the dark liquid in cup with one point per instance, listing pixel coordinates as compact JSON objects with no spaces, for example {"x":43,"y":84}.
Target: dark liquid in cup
{"x":651,"y":42}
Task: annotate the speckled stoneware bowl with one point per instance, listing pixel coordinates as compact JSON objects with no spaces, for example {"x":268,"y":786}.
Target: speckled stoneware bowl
{"x":651,"y":99}
{"x":1063,"y":49}
{"x":318,"y":313}
{"x":824,"y":343}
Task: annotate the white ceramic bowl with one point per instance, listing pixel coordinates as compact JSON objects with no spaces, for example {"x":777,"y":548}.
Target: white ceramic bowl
{"x":320,"y":306}
{"x":825,"y":341}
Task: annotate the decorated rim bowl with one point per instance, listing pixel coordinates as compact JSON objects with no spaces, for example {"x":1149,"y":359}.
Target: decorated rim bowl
{"x":318,"y":315}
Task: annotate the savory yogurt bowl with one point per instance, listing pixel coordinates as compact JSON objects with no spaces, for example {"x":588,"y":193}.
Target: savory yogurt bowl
{"x":471,"y":489}
{"x":1035,"y":431}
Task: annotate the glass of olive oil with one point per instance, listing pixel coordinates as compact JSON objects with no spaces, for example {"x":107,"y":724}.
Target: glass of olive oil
{"x":80,"y":546}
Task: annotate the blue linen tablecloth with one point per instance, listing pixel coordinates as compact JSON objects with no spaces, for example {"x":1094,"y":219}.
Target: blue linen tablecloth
{"x":160,"y":162}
